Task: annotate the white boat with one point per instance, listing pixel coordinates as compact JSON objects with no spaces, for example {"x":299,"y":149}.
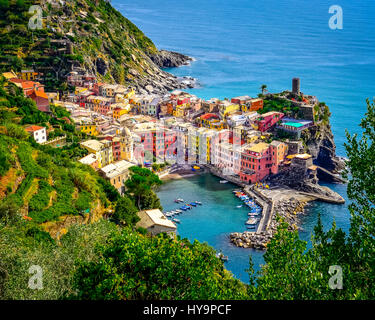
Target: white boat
{"x":223,"y":181}
{"x":178,"y":211}
{"x":221,"y":256}
{"x":251,"y":221}
{"x":176,"y":220}
{"x":240,"y":206}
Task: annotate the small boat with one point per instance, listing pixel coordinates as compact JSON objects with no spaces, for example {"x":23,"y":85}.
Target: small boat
{"x":221,"y":256}
{"x":169,"y":214}
{"x":253,"y":214}
{"x":179,"y":200}
{"x":184,"y":208}
{"x":250,"y":227}
{"x":223,"y":181}
{"x":198,"y":202}
{"x":193,"y":204}
{"x":252,"y":221}
{"x":240,"y":206}
{"x":178,"y":211}
{"x":176,"y":220}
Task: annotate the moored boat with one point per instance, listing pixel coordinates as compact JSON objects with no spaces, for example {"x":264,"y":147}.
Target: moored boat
{"x":252,"y":221}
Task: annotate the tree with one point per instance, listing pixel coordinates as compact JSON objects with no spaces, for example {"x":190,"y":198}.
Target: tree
{"x":361,"y":191}
{"x":133,"y":266}
{"x":140,"y":185}
{"x":263,"y":87}
{"x":125,"y":212}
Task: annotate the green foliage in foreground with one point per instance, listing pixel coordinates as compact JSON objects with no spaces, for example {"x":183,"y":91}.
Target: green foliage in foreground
{"x":133,"y":266}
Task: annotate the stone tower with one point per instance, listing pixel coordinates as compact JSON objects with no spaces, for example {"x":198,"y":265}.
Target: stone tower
{"x":296,"y":86}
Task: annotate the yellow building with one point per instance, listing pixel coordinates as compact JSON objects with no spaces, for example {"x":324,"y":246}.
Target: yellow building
{"x":101,"y":149}
{"x":89,"y":129}
{"x":181,"y":110}
{"x":79,"y":90}
{"x":228,"y":108}
{"x":29,"y":75}
{"x":126,"y":145}
{"x":119,"y":111}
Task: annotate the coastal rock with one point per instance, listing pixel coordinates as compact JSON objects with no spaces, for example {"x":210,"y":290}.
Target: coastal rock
{"x":170,"y":59}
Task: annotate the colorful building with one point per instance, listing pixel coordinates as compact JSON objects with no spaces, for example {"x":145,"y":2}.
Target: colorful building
{"x":256,"y":162}
{"x":89,"y":128}
{"x":117,"y":173}
{"x":101,"y":149}
{"x":38,"y":133}
{"x":267,"y":120}
{"x":29,"y":75}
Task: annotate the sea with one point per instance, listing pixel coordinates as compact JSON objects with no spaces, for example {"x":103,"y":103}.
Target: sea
{"x":237,"y":46}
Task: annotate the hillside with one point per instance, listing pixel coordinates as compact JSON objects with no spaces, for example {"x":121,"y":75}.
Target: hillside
{"x":87,"y":34}
{"x":43,"y":183}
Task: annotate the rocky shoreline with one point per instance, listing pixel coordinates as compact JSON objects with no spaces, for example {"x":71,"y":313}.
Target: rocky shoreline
{"x":288,"y":209}
{"x":170,"y":59}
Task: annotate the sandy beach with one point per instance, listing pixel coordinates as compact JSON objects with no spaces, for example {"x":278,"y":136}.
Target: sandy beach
{"x":180,"y":174}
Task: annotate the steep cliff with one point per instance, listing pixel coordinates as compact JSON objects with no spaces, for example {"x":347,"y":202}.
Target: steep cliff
{"x":320,"y":143}
{"x":87,"y":34}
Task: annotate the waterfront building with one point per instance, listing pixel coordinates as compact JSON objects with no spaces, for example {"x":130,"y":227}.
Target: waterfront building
{"x":155,"y":222}
{"x":256,"y":162}
{"x":279,"y":151}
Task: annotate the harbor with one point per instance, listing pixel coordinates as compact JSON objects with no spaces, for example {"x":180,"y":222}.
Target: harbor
{"x":214,"y":220}
{"x":221,"y":219}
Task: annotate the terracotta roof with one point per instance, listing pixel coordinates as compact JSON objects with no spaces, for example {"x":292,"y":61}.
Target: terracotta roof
{"x":33,"y":128}
{"x":40,"y":94}
{"x":209,"y":115}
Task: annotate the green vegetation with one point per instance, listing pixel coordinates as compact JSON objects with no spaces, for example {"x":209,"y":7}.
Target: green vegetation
{"x":92,"y":27}
{"x":140,"y":187}
{"x":136,"y":267}
{"x":279,"y":104}
{"x":125,"y":212}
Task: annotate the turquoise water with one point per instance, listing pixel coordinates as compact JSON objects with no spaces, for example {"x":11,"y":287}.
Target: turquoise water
{"x":240,"y":45}
{"x":214,"y":220}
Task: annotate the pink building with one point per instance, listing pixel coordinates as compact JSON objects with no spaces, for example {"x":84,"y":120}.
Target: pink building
{"x":268,"y":120}
{"x":256,"y":162}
